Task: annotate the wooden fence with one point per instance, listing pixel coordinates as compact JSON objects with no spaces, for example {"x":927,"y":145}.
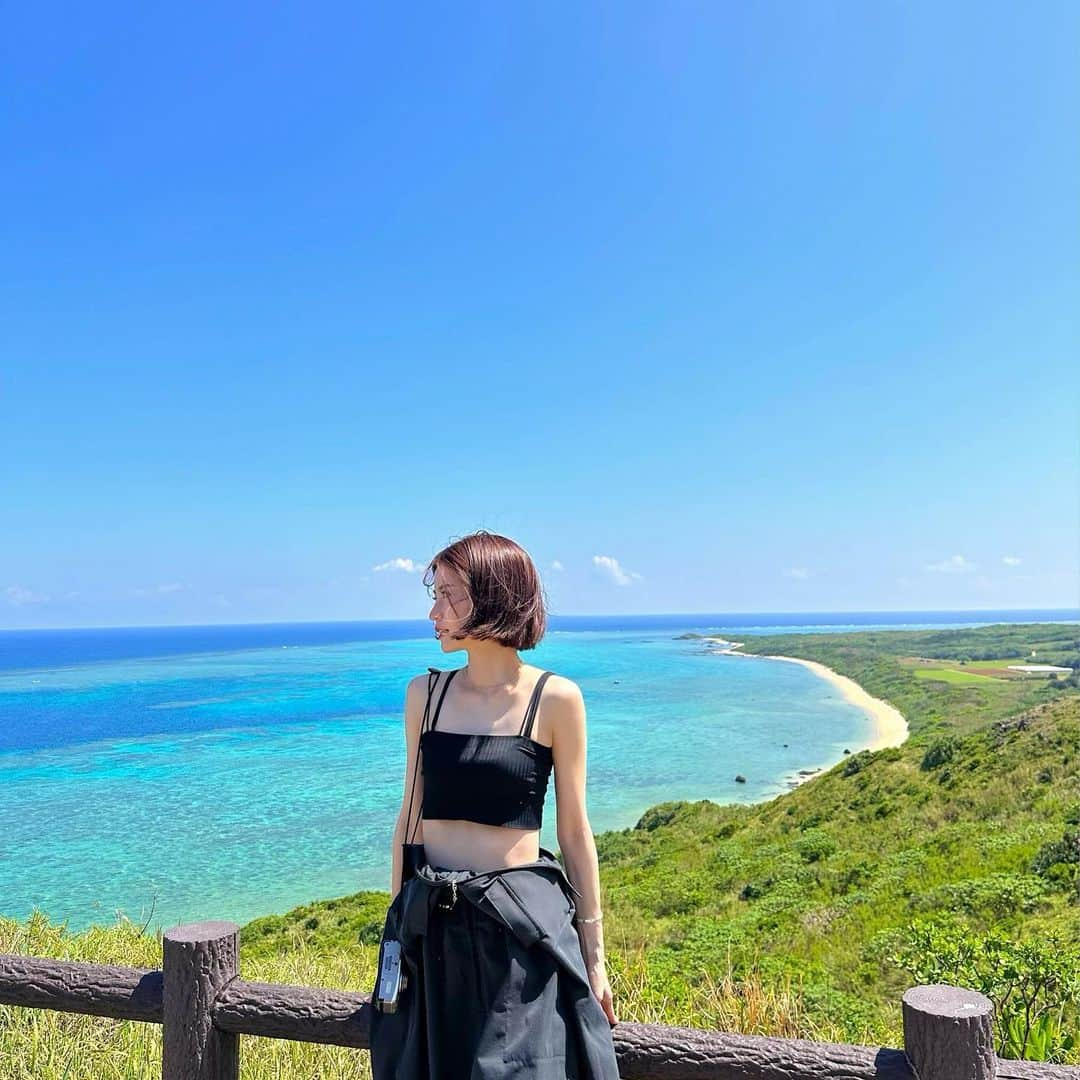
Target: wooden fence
{"x":205,"y":1007}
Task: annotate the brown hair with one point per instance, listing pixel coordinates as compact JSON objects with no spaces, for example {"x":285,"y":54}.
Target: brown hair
{"x":504,"y":586}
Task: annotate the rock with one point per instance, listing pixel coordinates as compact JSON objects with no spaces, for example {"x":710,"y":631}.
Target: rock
{"x":1015,"y":723}
{"x":740,"y":779}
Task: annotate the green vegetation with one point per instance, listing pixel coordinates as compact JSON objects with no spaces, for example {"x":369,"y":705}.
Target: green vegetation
{"x":957,"y":678}
{"x":884,"y":661}
{"x":43,"y":1045}
{"x":955,"y":857}
{"x":1030,"y":983}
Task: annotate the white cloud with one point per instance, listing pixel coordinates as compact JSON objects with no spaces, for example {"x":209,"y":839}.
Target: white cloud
{"x":408,"y":565}
{"x":610,"y":565}
{"x":954,"y":564}
{"x":18,"y":596}
{"x":799,"y":572}
{"x":1011,"y":560}
{"x":556,"y":565}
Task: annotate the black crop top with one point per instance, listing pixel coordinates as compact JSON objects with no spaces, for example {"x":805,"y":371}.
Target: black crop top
{"x":490,"y":779}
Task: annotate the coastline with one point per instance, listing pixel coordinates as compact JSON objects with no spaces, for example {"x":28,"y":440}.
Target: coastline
{"x":794,"y":767}
{"x":890,"y":727}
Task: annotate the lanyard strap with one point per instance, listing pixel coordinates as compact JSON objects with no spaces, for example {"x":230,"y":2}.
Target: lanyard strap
{"x":433,"y":678}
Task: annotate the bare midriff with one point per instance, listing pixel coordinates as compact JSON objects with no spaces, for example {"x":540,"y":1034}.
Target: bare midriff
{"x":469,"y":845}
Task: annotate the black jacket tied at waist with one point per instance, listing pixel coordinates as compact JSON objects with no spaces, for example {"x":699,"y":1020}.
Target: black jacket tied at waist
{"x":531,"y":900}
{"x":535,"y":904}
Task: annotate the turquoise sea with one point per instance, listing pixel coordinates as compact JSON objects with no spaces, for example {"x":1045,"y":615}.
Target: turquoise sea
{"x":190,"y":773}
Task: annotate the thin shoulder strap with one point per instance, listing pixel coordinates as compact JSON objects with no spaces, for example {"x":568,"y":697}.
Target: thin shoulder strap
{"x":534,"y":702}
{"x":433,"y":678}
{"x":438,"y":707}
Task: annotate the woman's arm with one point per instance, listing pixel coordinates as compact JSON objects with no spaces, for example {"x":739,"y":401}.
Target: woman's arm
{"x":566,"y":707}
{"x":415,"y":696}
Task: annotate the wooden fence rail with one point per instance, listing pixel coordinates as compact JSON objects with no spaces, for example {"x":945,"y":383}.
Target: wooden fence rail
{"x":205,"y":1007}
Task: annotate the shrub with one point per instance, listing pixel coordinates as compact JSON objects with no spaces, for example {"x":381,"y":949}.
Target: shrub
{"x":1027,"y":981}
{"x":752,"y":890}
{"x":939,"y":752}
{"x":997,"y":895}
{"x":1059,"y":860}
{"x":851,"y":877}
{"x":855,"y":763}
{"x":656,"y":816}
{"x":814,"y":844}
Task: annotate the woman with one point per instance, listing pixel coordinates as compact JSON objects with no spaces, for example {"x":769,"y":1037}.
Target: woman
{"x":502,"y":948}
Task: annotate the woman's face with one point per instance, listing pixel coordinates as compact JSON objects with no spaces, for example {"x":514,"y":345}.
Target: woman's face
{"x":452,"y":605}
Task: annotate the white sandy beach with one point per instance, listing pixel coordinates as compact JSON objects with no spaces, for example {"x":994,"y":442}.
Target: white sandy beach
{"x":890,"y":727}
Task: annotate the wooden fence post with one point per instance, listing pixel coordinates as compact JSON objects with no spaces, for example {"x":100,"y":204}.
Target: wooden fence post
{"x":949,"y":1033}
{"x":198,"y":961}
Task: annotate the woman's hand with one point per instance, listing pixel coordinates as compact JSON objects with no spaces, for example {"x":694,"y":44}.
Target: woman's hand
{"x":591,"y":939}
{"x":598,"y":980}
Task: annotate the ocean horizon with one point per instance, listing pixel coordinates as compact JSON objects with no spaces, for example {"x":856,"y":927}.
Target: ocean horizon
{"x":228,"y":771}
{"x":25,"y":648}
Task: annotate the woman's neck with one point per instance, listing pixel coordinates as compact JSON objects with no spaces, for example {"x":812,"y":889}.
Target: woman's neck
{"x":493,"y":674}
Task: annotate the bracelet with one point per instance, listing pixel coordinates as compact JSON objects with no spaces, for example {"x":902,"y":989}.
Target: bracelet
{"x":596,"y":918}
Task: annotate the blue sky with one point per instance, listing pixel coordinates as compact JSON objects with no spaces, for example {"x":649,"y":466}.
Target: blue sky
{"x":712,"y":307}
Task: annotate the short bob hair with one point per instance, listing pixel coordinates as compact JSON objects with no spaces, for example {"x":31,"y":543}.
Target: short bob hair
{"x":504,"y":586}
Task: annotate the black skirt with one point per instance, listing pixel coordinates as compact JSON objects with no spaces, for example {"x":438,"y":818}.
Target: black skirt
{"x":497,"y":984}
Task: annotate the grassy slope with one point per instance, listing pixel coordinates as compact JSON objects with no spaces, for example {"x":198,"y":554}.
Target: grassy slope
{"x":816,"y":882}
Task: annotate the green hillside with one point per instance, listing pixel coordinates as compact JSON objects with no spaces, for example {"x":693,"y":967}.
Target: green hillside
{"x":972,"y":820}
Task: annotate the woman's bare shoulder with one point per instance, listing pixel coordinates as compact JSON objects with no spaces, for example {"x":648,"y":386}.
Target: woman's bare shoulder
{"x":562,"y":704}
{"x":420,"y":680}
{"x":417,"y":688}
{"x":563,"y":710}
{"x":562,"y":689}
